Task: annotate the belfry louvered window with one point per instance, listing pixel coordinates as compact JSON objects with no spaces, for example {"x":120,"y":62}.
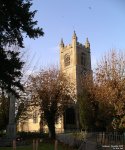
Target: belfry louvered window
{"x":83,"y":59}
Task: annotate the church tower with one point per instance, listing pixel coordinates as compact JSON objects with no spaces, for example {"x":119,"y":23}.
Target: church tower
{"x":75,"y":60}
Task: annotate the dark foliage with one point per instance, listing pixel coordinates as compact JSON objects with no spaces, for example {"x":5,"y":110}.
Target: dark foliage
{"x":4,"y":111}
{"x":10,"y":71}
{"x":16,"y":21}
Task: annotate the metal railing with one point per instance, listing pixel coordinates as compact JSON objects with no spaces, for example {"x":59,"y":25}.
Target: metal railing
{"x":109,"y":138}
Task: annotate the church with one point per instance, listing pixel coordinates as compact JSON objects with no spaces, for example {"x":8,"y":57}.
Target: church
{"x":75,"y":60}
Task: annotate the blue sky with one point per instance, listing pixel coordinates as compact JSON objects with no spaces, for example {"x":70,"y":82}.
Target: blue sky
{"x":102,"y":21}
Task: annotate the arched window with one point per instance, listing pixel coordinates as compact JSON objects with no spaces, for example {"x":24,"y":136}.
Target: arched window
{"x":70,"y":116}
{"x":67,"y":60}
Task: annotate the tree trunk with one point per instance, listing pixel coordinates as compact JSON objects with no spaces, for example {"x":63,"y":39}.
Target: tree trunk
{"x":41,"y":124}
{"x":51,"y":127}
{"x":52,"y":133}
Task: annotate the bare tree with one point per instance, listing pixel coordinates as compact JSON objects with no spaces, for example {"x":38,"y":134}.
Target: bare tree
{"x":104,"y":92}
{"x":110,"y":84}
{"x":51,"y":91}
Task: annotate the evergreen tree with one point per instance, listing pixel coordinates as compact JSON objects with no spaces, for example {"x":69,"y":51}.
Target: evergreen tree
{"x":10,"y":71}
{"x":4,"y":111}
{"x":16,"y":21}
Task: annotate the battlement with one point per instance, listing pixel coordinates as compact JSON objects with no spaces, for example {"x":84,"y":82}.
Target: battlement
{"x":75,"y":43}
{"x":80,"y":45}
{"x":68,"y":46}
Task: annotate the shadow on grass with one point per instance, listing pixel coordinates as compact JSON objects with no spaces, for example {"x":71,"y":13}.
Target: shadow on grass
{"x":42,"y":146}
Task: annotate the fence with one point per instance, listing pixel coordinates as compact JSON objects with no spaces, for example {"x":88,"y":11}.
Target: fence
{"x":108,"y":138}
{"x":100,"y":138}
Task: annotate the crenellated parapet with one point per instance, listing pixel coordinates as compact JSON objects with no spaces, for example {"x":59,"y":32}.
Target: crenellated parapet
{"x":68,"y":46}
{"x":76,"y":44}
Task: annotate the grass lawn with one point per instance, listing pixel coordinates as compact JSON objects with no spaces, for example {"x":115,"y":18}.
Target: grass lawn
{"x":42,"y":146}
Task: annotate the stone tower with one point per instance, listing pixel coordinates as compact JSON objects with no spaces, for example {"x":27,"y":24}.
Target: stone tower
{"x":75,"y":60}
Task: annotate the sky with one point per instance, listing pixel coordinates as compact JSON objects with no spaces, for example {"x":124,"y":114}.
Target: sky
{"x":102,"y":21}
